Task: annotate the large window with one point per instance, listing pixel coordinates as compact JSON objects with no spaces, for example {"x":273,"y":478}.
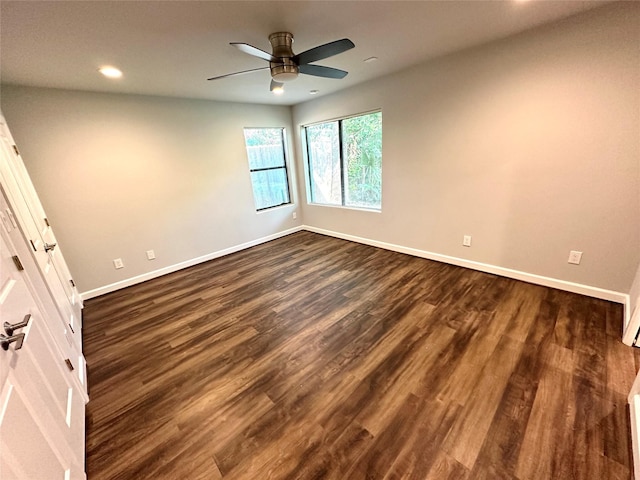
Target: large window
{"x":345,"y":161}
{"x":267,"y":164}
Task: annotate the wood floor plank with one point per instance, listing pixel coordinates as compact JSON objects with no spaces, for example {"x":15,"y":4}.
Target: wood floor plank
{"x":447,"y":468}
{"x":537,"y":458}
{"x":311,"y":357}
{"x":620,"y":366}
{"x":470,"y":428}
{"x":421,"y":449}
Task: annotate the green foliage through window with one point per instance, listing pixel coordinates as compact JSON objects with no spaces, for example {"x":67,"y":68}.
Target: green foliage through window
{"x":265,"y":150}
{"x":345,"y":161}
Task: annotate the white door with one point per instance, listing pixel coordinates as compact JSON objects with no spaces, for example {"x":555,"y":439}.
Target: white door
{"x":42,"y":237}
{"x":45,"y":235}
{"x":41,"y":408}
{"x":35,"y":226}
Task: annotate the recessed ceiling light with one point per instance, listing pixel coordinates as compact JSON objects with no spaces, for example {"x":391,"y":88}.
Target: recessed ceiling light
{"x":313,"y":92}
{"x":110,"y":72}
{"x":278,"y":90}
{"x":370,"y":59}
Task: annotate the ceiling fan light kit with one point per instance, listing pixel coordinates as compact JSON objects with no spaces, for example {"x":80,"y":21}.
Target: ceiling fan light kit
{"x":276,"y":87}
{"x":285,"y":66}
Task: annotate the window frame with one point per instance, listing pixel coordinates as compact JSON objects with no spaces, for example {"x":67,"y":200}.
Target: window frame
{"x":308,"y":167}
{"x":285,"y":161}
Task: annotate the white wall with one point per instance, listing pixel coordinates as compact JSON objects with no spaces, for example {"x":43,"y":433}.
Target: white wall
{"x":122,"y":174}
{"x":530,"y":144}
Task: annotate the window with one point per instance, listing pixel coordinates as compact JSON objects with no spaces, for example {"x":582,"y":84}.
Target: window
{"x":265,"y":150}
{"x":345,"y":161}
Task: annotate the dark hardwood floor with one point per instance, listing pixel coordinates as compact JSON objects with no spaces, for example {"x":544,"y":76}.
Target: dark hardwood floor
{"x":311,"y":357}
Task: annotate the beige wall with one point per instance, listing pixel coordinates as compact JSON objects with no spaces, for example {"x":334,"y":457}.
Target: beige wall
{"x":119,"y":175}
{"x":531,"y":145}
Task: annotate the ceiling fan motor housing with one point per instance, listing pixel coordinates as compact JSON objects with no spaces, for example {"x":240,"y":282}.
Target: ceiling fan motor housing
{"x":285,"y":70}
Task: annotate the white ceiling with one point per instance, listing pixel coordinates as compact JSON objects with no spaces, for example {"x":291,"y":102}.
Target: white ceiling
{"x":170,"y":48}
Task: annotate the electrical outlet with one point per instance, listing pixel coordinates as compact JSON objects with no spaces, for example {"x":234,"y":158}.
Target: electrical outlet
{"x":575,"y":257}
{"x":466,"y":241}
{"x":118,"y":263}
{"x":151,"y":255}
{"x":294,"y":215}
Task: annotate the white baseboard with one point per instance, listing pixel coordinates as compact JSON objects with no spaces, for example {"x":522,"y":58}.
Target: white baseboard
{"x":179,"y":266}
{"x":587,"y":290}
{"x":632,"y":323}
{"x":461,"y":262}
{"x":634,"y":401}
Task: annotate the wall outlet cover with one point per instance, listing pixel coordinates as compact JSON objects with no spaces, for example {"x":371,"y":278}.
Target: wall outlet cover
{"x":575,"y":257}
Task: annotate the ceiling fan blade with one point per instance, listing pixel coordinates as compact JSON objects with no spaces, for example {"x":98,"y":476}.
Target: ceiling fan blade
{"x":320,"y":71}
{"x":275,"y":85}
{"x":238,"y":73}
{"x":323,"y":51}
{"x":256,"y":52}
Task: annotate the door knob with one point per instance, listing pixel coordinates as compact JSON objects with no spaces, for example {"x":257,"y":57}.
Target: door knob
{"x":9,"y":328}
{"x":49,"y":246}
{"x":6,"y":341}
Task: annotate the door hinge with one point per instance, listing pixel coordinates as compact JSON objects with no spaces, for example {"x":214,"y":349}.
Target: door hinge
{"x":15,"y":149}
{"x":73,"y":284}
{"x":46,"y":220}
{"x":18,"y":263}
{"x":69,"y":364}
{"x":33,"y":245}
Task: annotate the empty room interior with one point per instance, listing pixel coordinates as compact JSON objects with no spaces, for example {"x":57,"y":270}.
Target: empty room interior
{"x":309,"y":239}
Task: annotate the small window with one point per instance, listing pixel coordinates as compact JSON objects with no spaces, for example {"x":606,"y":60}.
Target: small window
{"x":345,"y":161}
{"x":265,"y":150}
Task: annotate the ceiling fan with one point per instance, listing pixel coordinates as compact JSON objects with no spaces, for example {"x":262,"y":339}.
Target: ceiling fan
{"x":285,"y":65}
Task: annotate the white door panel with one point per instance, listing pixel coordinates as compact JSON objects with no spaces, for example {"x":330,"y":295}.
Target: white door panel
{"x":17,"y":459}
{"x":61,"y":324}
{"x":32,"y":221}
{"x":43,"y":379}
{"x":41,"y":424}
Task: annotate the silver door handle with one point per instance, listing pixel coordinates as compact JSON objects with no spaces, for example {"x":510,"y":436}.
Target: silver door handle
{"x":9,"y":328}
{"x":6,"y":341}
{"x":49,"y":246}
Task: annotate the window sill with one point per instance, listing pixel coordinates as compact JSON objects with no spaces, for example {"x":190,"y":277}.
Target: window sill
{"x":344,"y":207}
{"x":274,"y":208}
